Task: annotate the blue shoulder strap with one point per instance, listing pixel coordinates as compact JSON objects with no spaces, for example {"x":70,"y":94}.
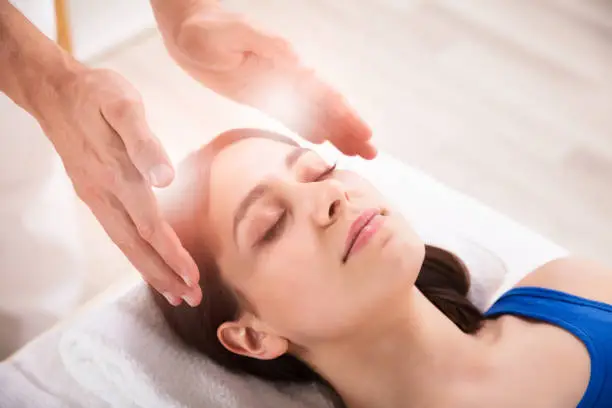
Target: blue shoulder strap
{"x":588,"y":320}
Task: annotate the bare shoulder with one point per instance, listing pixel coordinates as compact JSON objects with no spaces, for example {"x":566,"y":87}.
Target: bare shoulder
{"x":577,"y":276}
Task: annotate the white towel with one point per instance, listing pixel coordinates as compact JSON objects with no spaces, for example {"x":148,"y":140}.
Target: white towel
{"x":125,"y":354}
{"x":36,"y":377}
{"x":17,"y":390}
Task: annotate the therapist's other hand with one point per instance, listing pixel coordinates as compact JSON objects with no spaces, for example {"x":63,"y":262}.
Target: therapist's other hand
{"x":97,"y":124}
{"x":239,"y":61}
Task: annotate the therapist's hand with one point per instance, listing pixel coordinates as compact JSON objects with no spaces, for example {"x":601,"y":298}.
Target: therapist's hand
{"x":96,"y":122}
{"x":239,"y":61}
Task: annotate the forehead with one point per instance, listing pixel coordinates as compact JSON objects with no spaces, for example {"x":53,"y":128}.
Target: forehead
{"x":235,"y":171}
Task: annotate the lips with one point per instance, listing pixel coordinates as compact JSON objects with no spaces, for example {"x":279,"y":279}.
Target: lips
{"x":357,"y":228}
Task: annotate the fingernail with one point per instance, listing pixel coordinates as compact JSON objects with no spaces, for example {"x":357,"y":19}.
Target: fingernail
{"x":190,"y":300}
{"x":173,"y":300}
{"x":188,"y":281}
{"x":161,"y":175}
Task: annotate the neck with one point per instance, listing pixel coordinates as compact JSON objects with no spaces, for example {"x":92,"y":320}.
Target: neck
{"x":404,"y":360}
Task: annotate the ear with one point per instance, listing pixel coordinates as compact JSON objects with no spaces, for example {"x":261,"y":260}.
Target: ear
{"x":241,"y":338}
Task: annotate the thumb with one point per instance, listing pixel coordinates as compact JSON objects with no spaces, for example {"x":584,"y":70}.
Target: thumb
{"x":144,"y":149}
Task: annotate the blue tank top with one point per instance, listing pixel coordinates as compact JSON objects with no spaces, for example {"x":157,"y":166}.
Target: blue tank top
{"x":588,"y":320}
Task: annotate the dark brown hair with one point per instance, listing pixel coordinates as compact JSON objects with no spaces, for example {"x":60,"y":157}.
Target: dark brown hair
{"x":443,"y":279}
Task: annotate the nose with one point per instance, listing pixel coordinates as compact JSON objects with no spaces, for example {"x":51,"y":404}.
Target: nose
{"x":330,"y":203}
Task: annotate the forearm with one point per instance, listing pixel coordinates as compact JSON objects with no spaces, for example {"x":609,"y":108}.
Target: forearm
{"x":31,"y":65}
{"x":170,"y":14}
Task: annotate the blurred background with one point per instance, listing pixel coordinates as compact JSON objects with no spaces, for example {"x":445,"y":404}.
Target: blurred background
{"x":508,"y":101}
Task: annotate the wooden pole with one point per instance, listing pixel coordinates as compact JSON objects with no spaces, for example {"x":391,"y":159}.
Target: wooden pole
{"x":62,"y":24}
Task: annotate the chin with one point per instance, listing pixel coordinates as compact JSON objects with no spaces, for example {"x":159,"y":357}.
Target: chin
{"x":395,"y":249}
{"x":402,"y":254}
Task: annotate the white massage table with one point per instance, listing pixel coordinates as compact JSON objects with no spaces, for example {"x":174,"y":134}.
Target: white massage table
{"x":118,"y":353}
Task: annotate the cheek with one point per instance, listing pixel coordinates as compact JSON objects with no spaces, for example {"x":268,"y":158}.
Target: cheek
{"x":290,"y":277}
{"x":361,"y":189}
{"x":300,"y":293}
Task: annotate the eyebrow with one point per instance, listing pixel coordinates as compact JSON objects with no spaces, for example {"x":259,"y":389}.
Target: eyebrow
{"x":261,"y":189}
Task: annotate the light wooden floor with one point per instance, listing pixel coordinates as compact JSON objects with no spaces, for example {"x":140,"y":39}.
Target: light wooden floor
{"x":507,"y":101}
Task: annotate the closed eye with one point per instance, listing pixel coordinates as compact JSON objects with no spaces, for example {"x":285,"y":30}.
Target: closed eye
{"x":277,"y":227}
{"x":329,"y":171}
{"x":274,"y":231}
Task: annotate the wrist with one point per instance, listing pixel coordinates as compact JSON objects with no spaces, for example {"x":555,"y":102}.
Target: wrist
{"x":32,"y":66}
{"x":43,"y":81}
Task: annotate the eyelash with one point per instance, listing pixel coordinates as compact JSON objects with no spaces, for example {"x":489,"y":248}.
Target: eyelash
{"x":272,"y":233}
{"x":327,"y":172}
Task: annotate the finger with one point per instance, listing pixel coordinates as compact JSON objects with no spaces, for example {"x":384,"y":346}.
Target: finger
{"x":344,"y":115}
{"x":348,"y":143}
{"x":328,"y":117}
{"x":351,"y":147}
{"x":325,"y":125}
{"x":282,"y":53}
{"x":128,"y":120}
{"x":307,"y":117}
{"x":141,"y":205}
{"x":296,"y":98}
{"x":118,"y":225}
{"x":340,"y":134}
{"x":345,"y":130}
{"x":368,"y":151}
{"x":346,"y":146}
{"x":274,"y":91}
{"x":316,"y":135}
{"x":284,"y":48}
{"x":344,"y":136}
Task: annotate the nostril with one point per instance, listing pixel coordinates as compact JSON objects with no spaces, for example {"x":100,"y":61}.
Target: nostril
{"x":333,"y":209}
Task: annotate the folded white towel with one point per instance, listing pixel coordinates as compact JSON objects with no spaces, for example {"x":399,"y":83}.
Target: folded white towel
{"x":17,"y":390}
{"x":126,"y":355}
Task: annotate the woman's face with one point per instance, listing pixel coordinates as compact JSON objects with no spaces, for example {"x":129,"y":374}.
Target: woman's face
{"x":292,"y":242}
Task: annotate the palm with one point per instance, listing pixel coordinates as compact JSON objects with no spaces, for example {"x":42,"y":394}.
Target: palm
{"x":241,"y":62}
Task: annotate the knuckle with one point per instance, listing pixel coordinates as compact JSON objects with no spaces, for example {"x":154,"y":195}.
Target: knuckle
{"x":147,"y":230}
{"x":162,"y":283}
{"x":143,"y":146}
{"x":81,"y":189}
{"x":127,"y":244}
{"x":122,"y":107}
{"x":118,"y":109}
{"x":85,"y":193}
{"x":191,"y":41}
